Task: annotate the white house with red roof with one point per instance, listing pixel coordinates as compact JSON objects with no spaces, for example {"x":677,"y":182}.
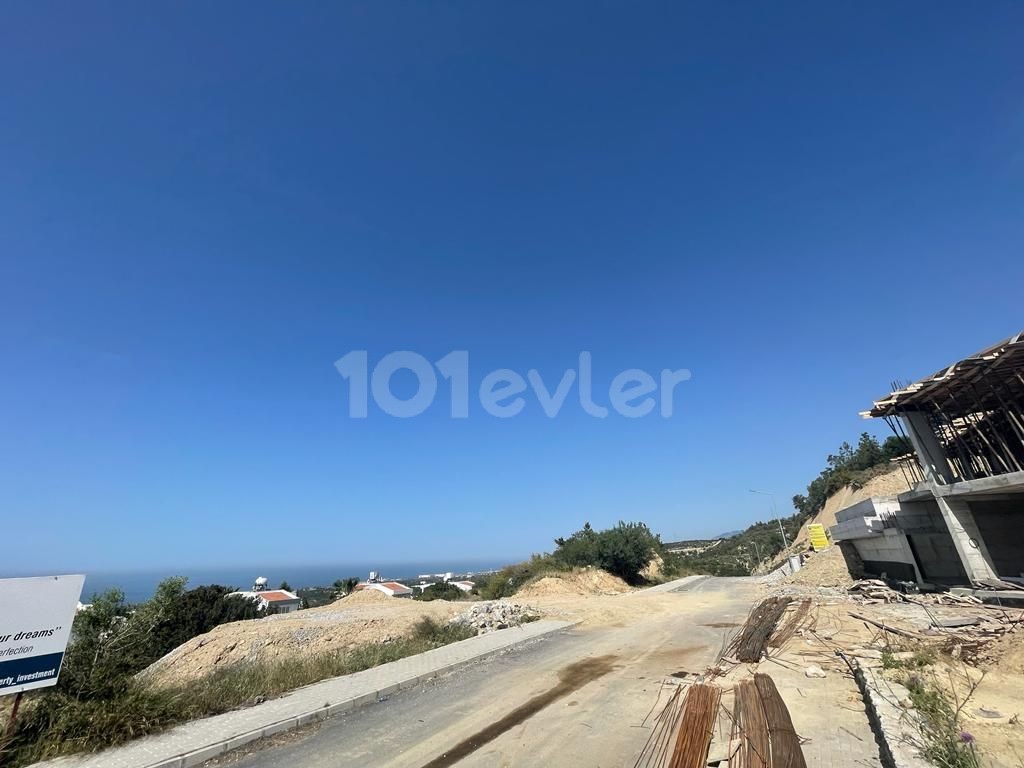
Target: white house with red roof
{"x":389,"y":588}
{"x":271,"y":600}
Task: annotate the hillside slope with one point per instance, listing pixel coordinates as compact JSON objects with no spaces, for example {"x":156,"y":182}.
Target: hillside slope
{"x":888,"y":483}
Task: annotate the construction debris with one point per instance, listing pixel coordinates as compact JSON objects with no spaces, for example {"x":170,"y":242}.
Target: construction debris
{"x":998,"y":584}
{"x":868,"y":591}
{"x":492,"y":616}
{"x":887,"y":627}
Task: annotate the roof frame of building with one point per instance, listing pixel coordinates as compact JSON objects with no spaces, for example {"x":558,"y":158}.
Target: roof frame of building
{"x":955,"y":382}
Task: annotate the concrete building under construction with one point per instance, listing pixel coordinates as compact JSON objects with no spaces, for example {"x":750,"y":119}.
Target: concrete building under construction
{"x":963,"y":519}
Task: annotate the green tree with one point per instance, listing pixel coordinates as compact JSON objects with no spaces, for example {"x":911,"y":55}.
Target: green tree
{"x":580,"y":549}
{"x":895,"y":446}
{"x":285,"y":586}
{"x":624,"y":550}
{"x":344,"y":587}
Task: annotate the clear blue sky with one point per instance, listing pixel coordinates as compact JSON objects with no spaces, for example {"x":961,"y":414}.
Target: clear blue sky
{"x":204,"y":205}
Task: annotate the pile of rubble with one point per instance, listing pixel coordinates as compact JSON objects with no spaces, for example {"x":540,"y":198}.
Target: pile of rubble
{"x":967,"y":635}
{"x":877,"y":591}
{"x":974,"y":642}
{"x":492,"y":616}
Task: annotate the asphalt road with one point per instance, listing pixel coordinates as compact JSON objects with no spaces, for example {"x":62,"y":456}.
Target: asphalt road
{"x":578,"y":698}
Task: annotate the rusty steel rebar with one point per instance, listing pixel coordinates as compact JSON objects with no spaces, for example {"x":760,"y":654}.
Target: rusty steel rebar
{"x":752,"y":641}
{"x":696,"y":727}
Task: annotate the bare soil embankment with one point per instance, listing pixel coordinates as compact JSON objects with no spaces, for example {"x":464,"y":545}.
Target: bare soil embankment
{"x":589,"y":596}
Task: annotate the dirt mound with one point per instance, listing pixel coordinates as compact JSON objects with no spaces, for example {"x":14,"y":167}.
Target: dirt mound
{"x":823,"y":569}
{"x":583,"y":581}
{"x":1009,"y":655}
{"x":654,"y":570}
{"x":364,"y":597}
{"x":358,"y":620}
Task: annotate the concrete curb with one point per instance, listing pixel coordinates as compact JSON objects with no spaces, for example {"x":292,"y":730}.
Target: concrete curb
{"x":891,"y":725}
{"x":222,"y":745}
{"x":671,"y":586}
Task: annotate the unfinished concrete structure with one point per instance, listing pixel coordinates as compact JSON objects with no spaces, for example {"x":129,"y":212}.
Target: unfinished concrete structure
{"x":963,"y":519}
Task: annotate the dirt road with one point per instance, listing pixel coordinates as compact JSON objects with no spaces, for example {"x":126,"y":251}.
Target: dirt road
{"x":576,"y":699}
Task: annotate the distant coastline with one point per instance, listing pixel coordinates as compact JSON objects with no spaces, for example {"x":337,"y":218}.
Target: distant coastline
{"x":139,"y":585}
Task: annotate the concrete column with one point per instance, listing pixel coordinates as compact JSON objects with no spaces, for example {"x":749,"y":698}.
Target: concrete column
{"x":967,"y":538}
{"x":929,"y":451}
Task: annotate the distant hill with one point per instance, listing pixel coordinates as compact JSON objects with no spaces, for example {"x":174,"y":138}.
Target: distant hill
{"x":728,"y":534}
{"x":736,"y":554}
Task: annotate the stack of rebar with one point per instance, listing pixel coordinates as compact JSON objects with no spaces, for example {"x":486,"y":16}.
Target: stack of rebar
{"x":656,"y":751}
{"x":796,"y":620}
{"x":689,"y":715}
{"x":762,"y":730}
{"x":752,"y":641}
{"x":750,"y":745}
{"x":786,"y":752}
{"x":700,"y":713}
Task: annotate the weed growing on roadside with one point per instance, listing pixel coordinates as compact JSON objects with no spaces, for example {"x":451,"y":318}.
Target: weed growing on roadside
{"x":946,"y":743}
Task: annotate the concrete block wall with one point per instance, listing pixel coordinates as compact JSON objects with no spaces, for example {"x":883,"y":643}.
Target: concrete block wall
{"x":891,"y":547}
{"x":857,"y":528}
{"x":865,"y":508}
{"x":889,"y":553}
{"x":920,"y":516}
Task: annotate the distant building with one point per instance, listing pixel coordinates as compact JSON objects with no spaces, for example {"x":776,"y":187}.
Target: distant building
{"x":465,"y":586}
{"x":270,"y":600}
{"x":389,"y":588}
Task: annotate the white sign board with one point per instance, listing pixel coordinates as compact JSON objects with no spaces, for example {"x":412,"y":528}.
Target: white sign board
{"x":35,"y":624}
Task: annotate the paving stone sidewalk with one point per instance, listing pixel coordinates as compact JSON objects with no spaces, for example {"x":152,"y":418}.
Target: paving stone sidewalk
{"x":193,"y":743}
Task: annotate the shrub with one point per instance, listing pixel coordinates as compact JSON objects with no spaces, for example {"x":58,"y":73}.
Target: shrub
{"x":113,"y":640}
{"x":434,"y":633}
{"x":946,"y":743}
{"x":442,"y":590}
{"x":624,"y":550}
{"x":505,"y":582}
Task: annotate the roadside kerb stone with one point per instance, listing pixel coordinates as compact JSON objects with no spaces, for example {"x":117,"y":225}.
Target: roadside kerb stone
{"x":192,"y":744}
{"x":670,"y":586}
{"x":896,"y":730}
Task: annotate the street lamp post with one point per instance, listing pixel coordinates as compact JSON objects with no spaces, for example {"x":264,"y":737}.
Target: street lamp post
{"x":785,"y":541}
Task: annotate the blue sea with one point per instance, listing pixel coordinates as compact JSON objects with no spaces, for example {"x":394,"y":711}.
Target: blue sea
{"x":140,"y":585}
